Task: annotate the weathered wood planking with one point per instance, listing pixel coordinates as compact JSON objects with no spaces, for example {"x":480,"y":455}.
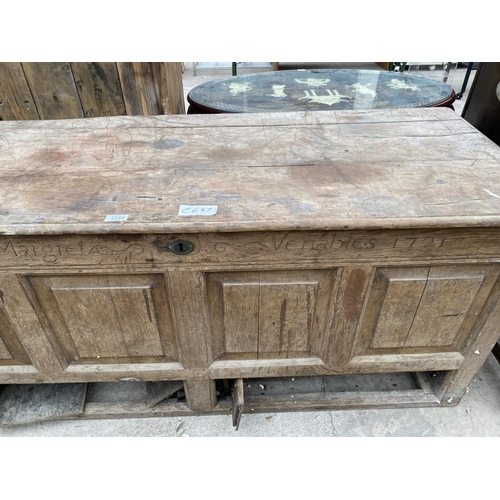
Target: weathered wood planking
{"x":138,"y":87}
{"x":169,"y":88}
{"x":99,"y":89}
{"x":152,"y":88}
{"x":424,"y":170}
{"x":54,"y":90}
{"x":16,"y":100}
{"x":46,"y":90}
{"x":25,"y":404}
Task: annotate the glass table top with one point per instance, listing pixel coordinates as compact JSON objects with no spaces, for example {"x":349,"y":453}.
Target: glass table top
{"x":319,"y":89}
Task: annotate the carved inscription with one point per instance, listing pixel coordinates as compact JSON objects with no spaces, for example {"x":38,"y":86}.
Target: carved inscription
{"x":51,"y":253}
{"x":429,"y":241}
{"x":47,"y":253}
{"x":103,"y":250}
{"x":289,"y":243}
{"x":223,"y":248}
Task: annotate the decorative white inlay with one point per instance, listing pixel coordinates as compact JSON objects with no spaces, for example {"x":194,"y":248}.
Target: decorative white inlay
{"x":313,"y":82}
{"x":400,"y":85}
{"x":278,"y":91}
{"x":331,"y":97}
{"x":363,"y":89}
{"x":239,"y":88}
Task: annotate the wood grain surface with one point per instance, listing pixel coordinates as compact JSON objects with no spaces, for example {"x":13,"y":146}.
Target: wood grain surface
{"x":16,"y":99}
{"x":53,"y":91}
{"x":99,"y":89}
{"x":345,"y":170}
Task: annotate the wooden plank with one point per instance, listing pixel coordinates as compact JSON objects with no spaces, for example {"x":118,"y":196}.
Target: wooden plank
{"x":312,"y":249}
{"x":54,"y":90}
{"x":191,"y":324}
{"x":138,"y":410}
{"x":442,"y":310}
{"x":286,"y":312}
{"x":29,"y":327}
{"x":138,"y":87}
{"x":159,"y":391}
{"x":238,"y":402}
{"x":395,"y":316}
{"x":426,"y":361}
{"x":16,"y":101}
{"x":432,"y":117}
{"x":27,"y":404}
{"x":169,"y":88}
{"x":348,"y":305}
{"x":99,"y":88}
{"x":192,"y":327}
{"x":272,"y":178}
{"x":91,"y":323}
{"x":315,"y":367}
{"x":12,"y":374}
{"x":342,"y":401}
{"x":200,"y":394}
{"x":241,"y":317}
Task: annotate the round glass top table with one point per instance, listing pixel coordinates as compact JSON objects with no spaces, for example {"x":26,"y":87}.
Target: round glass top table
{"x":318,"y":89}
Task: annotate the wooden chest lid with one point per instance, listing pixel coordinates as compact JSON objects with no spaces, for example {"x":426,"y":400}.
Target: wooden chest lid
{"x":319,"y":170}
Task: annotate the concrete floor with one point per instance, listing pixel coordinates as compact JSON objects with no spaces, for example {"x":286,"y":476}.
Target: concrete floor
{"x":477,"y":415}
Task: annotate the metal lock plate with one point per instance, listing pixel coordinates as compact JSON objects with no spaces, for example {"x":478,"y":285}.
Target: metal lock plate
{"x":181,"y":247}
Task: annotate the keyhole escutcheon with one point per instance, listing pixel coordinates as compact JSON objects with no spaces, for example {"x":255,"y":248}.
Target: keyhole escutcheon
{"x":181,"y":247}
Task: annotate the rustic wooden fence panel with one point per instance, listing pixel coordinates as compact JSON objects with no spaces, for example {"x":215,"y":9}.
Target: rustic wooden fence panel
{"x":49,"y":90}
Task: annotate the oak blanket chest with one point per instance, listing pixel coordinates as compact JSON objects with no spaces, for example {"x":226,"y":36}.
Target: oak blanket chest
{"x":235,"y":254}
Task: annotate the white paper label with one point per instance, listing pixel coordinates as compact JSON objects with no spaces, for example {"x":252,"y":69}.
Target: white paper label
{"x":116,"y":218}
{"x":193,"y":210}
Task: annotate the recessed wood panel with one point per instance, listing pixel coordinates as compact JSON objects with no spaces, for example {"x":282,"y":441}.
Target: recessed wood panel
{"x":442,"y":310}
{"x":400,"y":294}
{"x":109,"y":319}
{"x":242,"y":329}
{"x":11,"y":349}
{"x":4,"y":352}
{"x":260,"y":315}
{"x":423,"y":309}
{"x":286,"y":315}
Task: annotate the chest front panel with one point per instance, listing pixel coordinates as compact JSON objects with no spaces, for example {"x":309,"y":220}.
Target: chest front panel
{"x":244,"y":304}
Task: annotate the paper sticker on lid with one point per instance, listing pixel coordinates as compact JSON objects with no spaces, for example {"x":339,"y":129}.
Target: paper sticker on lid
{"x":194,"y":210}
